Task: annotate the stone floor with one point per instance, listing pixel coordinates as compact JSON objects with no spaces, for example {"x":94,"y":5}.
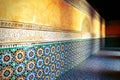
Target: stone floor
{"x":105,"y":66}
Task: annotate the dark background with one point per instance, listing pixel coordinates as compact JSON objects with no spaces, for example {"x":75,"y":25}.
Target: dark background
{"x":108,"y":9}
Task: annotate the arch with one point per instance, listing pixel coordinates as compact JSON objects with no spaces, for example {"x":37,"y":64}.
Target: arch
{"x":86,"y":31}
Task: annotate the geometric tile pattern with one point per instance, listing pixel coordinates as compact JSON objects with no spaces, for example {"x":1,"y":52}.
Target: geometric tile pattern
{"x":43,"y":61}
{"x":95,"y":68}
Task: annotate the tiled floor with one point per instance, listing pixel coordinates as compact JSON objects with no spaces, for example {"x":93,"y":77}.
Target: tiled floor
{"x":99,"y":67}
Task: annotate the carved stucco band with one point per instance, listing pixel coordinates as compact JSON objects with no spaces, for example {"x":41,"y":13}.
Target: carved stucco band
{"x":30,"y":26}
{"x":20,"y":33}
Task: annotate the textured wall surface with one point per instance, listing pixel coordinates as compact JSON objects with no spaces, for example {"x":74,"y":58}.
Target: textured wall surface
{"x":42,"y":39}
{"x":45,"y":61}
{"x":56,"y":14}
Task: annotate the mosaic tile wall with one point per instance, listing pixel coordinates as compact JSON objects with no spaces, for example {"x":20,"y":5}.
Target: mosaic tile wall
{"x":44,"y":61}
{"x":34,"y":45}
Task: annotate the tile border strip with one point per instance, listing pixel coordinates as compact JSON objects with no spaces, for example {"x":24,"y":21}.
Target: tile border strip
{"x":31,"y":26}
{"x":28,"y":44}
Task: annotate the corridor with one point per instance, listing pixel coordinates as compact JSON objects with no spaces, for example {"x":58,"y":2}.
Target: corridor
{"x":105,"y":66}
{"x":59,"y":40}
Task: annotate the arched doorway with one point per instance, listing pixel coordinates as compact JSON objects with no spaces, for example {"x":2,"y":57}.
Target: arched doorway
{"x":86,"y":28}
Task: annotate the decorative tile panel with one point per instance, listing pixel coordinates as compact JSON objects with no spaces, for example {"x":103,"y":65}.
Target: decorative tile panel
{"x":43,"y":61}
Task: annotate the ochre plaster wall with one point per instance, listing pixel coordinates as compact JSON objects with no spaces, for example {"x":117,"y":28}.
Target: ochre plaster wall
{"x":67,"y":33}
{"x":53,"y":13}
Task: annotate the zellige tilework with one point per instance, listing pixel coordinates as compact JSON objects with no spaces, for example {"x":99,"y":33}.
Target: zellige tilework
{"x":44,"y":61}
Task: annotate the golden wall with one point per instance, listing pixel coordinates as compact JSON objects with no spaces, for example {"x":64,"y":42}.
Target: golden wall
{"x":54,"y":13}
{"x":43,"y":39}
{"x":47,"y":15}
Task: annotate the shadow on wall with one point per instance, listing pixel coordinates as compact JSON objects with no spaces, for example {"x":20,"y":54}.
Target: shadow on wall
{"x":95,"y":44}
{"x":86,"y":27}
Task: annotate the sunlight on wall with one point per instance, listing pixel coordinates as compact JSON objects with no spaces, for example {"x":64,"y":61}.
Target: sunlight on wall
{"x":52,"y":13}
{"x":43,"y":39}
{"x":96,"y":28}
{"x":103,"y":29}
{"x":86,"y":28}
